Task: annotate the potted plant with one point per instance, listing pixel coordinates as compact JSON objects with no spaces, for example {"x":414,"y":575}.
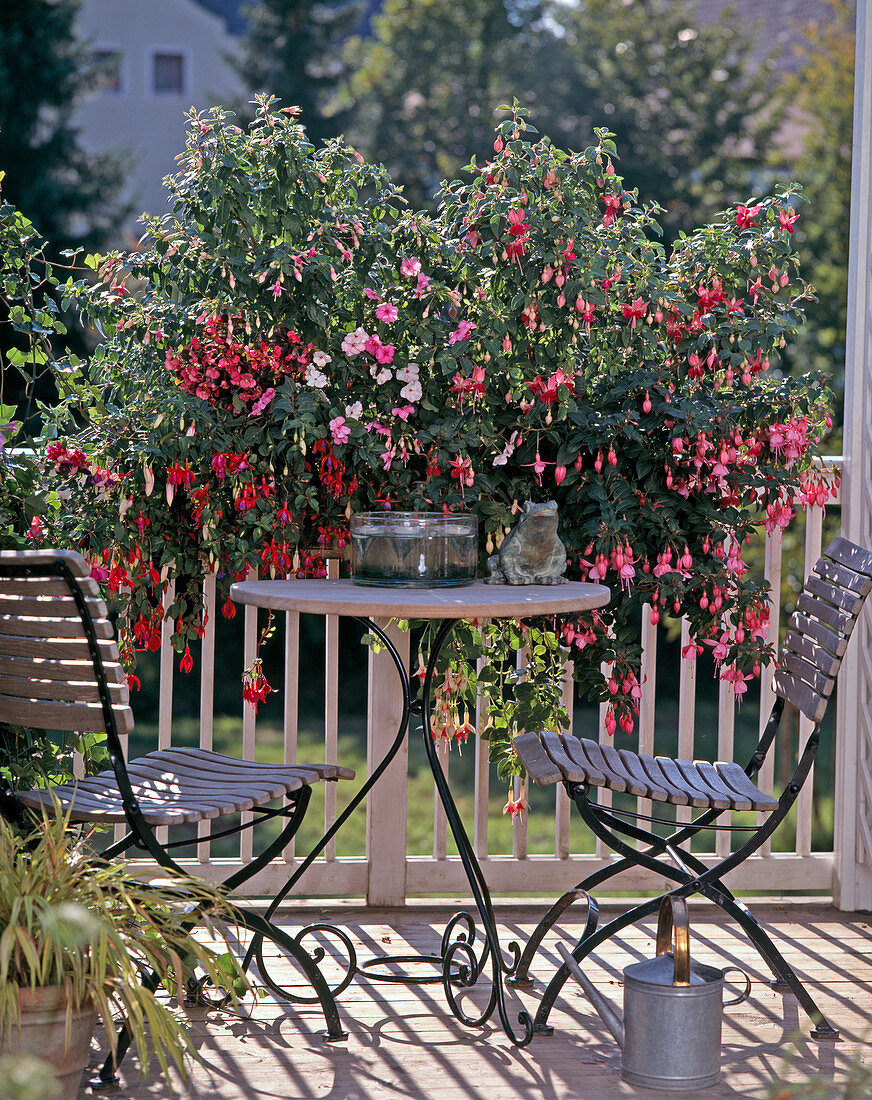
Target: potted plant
{"x":78,"y":937}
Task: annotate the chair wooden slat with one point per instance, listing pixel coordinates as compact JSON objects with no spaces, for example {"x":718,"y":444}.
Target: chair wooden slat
{"x":736,"y":778}
{"x":831,"y":616}
{"x":540,"y":767}
{"x":73,"y":717}
{"x":672,"y":774}
{"x":844,"y":552}
{"x":810,"y":651}
{"x":617,"y":776}
{"x":59,"y":670}
{"x":831,"y":640}
{"x":575,"y":750}
{"x":55,"y":607}
{"x":809,"y":673}
{"x":20,"y":627}
{"x":46,"y":586}
{"x":151,"y":776}
{"x":645,"y":786}
{"x":795,"y":691}
{"x":844,"y":577}
{"x":69,"y":691}
{"x":709,"y":773}
{"x":46,"y":558}
{"x":715,"y":795}
{"x":849,"y":602}
{"x":224,"y":765}
{"x":572,"y":772}
{"x":56,"y":649}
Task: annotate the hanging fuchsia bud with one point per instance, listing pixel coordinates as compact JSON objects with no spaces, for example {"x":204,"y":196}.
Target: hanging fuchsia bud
{"x":559,"y":473}
{"x":646,"y":404}
{"x":578,"y":464}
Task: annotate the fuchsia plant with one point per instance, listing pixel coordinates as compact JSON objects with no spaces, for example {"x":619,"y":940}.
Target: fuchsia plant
{"x":295,"y":346}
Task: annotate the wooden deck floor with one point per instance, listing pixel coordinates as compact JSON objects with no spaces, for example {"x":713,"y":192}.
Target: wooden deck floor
{"x":403,"y":1042}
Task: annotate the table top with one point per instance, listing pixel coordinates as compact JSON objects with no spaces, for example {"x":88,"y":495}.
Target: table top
{"x":472,"y":601}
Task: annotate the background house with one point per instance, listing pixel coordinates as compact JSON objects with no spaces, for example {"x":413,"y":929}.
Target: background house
{"x":160,"y":59}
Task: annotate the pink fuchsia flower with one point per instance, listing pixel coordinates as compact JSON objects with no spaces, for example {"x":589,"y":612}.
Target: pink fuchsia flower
{"x":276,"y":288}
{"x":386,"y":312}
{"x":634,"y":311}
{"x":786,"y":219}
{"x":339,"y":430}
{"x":36,"y":531}
{"x":735,"y":677}
{"x":462,"y":332}
{"x":461,"y":468}
{"x":745,"y":216}
{"x":410,"y":267}
{"x":514,"y":806}
{"x":538,"y":466}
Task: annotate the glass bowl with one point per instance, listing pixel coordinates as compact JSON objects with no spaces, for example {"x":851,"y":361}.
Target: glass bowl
{"x":413,"y":549}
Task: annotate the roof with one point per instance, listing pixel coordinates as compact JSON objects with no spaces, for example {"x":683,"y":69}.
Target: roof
{"x":230,"y":11}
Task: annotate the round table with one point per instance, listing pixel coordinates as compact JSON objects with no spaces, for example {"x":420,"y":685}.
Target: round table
{"x":456,"y":960}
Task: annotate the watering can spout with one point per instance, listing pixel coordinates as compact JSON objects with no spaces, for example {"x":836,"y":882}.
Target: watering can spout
{"x":607,"y":1013}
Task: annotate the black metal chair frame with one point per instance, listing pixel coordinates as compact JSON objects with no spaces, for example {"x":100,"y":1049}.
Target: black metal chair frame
{"x":618,"y":829}
{"x":141,"y":835}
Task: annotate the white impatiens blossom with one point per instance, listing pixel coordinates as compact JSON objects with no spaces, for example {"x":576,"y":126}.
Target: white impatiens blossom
{"x":412,"y":391}
{"x":320,"y":358}
{"x":409,"y":373}
{"x":354,"y":412}
{"x":315,"y":378}
{"x":355,"y":342}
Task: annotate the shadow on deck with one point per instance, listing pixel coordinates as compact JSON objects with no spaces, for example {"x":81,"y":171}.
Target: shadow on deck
{"x":403,"y":1042}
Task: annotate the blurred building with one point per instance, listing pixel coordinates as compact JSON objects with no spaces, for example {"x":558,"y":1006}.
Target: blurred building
{"x":158,"y":59}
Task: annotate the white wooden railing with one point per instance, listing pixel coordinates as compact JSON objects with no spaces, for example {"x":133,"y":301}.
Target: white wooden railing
{"x":386,"y":873}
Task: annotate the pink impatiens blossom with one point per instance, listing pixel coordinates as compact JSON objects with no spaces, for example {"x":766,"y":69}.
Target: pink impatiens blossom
{"x":386,"y":312}
{"x":339,"y":430}
{"x":355,"y":342}
{"x":410,"y":267}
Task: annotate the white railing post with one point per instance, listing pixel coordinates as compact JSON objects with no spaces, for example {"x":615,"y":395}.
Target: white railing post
{"x":386,"y":803}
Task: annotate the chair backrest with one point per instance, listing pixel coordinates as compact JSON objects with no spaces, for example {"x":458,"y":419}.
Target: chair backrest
{"x":49,"y":677}
{"x":826,"y":612}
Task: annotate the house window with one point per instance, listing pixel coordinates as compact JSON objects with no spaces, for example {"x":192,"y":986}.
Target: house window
{"x":107,"y":64}
{"x":168,"y":73}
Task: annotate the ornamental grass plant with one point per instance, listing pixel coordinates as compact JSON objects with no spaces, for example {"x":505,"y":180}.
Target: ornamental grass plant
{"x":71,"y":920}
{"x":294,"y":344}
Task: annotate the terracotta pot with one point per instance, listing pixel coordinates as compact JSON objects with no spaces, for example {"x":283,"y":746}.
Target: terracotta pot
{"x":43,"y":1034}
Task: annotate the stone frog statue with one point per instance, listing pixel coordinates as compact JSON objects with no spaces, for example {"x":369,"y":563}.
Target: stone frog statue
{"x":531,"y":553}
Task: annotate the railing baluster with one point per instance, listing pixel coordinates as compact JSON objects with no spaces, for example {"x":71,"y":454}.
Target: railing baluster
{"x":686,"y":708}
{"x":726,"y":731}
{"x":648,"y":687}
{"x":482,"y":778}
{"x":563,"y":806}
{"x":207,"y":693}
{"x":290,"y":709}
{"x":249,"y":650}
{"x":331,"y":710}
{"x":814,"y":529}
{"x":772,"y":573}
{"x":519,"y":787}
{"x":165,"y":703}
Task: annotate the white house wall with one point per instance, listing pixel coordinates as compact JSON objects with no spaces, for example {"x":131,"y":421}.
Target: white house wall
{"x":147,"y":125}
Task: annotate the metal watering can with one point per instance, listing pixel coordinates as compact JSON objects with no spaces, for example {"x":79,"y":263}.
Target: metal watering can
{"x":670,"y":1037}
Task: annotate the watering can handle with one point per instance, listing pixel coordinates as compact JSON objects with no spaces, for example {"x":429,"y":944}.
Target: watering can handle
{"x":673,"y":918}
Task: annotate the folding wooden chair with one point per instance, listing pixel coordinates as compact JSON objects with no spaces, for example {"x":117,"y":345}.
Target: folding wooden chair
{"x":59,"y":671}
{"x":819,"y":629}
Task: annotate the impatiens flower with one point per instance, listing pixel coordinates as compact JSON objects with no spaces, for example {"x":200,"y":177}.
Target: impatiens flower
{"x":353,"y":412}
{"x":262,"y":402}
{"x":321,"y":358}
{"x":423,"y":283}
{"x":355,"y":342}
{"x":410,"y":267}
{"x":462,"y":332}
{"x":339,"y":430}
{"x":384,"y":353}
{"x":36,"y":531}
{"x":386,"y":312}
{"x":315,"y":378}
{"x":381,"y":376}
{"x":412,"y":391}
{"x":404,"y":411}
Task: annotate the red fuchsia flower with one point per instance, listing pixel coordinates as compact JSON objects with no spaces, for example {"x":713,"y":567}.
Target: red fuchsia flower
{"x":587,"y":310}
{"x":461,"y":468}
{"x":735,"y":677}
{"x":634,"y":311}
{"x":410,"y":267}
{"x":66,"y":461}
{"x":386,"y":312}
{"x":228,"y":609}
{"x":613,"y":205}
{"x":778,"y":514}
{"x":515,"y":806}
{"x":547,"y":391}
{"x":254,"y":685}
{"x":464,"y":328}
{"x":559,"y":474}
{"x":610,"y":722}
{"x":745,"y":216}
{"x":786,"y":220}
{"x":36,"y":530}
{"x":180,"y":475}
{"x":187,"y":661}
{"x":276,"y":288}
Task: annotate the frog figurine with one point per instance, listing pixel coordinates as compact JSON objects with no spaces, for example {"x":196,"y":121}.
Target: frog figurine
{"x":531,"y":553}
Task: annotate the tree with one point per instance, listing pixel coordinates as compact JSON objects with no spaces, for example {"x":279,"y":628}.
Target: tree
{"x":691,"y":112}
{"x":823,"y":94}
{"x":69,"y":195}
{"x":292,"y":49}
{"x":423,"y":89}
